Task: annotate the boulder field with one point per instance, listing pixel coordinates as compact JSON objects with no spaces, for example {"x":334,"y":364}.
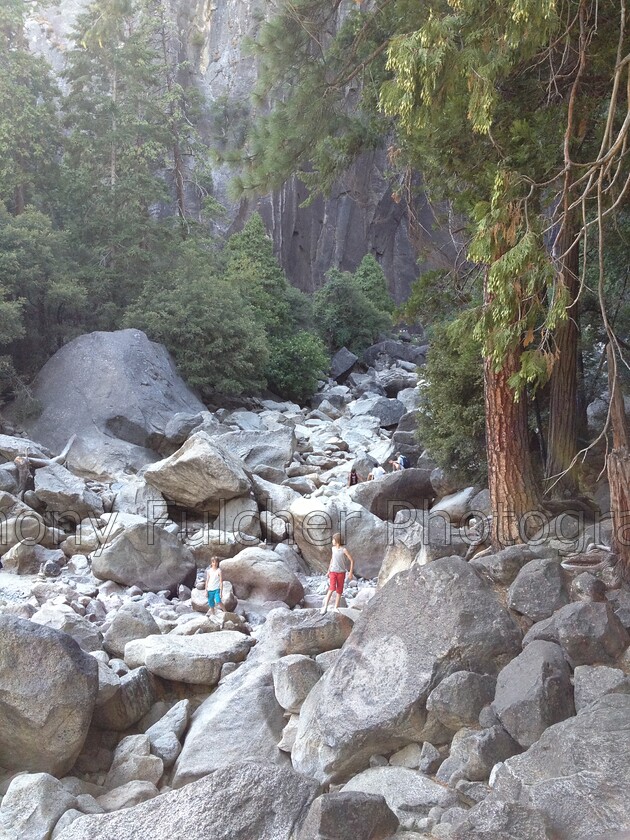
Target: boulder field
{"x":452,"y":696}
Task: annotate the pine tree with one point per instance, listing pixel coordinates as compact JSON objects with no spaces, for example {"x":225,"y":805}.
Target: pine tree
{"x":29,"y":126}
{"x":39,"y":279}
{"x":345,"y":315}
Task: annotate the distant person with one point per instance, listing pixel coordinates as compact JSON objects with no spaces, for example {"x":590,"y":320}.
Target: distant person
{"x":401,"y":462}
{"x":353,"y":478}
{"x":377,"y":472}
{"x":337,"y":572}
{"x":214,"y":585}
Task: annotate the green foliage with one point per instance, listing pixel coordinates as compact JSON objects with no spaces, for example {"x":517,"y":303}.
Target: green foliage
{"x":296,"y":356}
{"x":29,"y":125}
{"x":254,"y":270}
{"x":44,"y":302}
{"x":437,"y":295}
{"x":370,"y":278}
{"x":451,"y":423}
{"x":296,"y":363}
{"x":345,"y":316}
{"x":205,"y":323}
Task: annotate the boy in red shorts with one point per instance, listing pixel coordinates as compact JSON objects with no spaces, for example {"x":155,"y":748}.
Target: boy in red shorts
{"x":337,"y":572}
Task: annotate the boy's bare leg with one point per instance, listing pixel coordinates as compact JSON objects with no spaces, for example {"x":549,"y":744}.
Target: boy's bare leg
{"x":326,"y":601}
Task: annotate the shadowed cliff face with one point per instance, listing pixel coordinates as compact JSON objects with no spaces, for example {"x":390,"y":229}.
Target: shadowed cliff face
{"x":360,"y":215}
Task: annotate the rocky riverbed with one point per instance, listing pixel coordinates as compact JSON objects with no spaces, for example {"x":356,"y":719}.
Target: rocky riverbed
{"x":456,"y":694}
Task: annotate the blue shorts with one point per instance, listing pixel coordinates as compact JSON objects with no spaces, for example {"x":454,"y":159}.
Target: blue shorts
{"x":214,"y":597}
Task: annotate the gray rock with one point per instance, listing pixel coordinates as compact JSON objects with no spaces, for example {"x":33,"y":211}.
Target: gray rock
{"x":594,"y":681}
{"x":166,"y":748}
{"x":304,"y":631}
{"x":259,"y":574}
{"x":341,"y":364}
{"x":246,"y":722}
{"x":133,"y":699}
{"x":471,"y":793}
{"x":189,"y":659}
{"x":151,"y":558}
{"x":65,"y":493}
{"x":620,"y":601}
{"x":406,"y":537}
{"x":269,"y":448}
{"x":373,"y":698}
{"x":586,"y":587}
{"x":239,"y":516}
{"x":293,"y":678}
{"x":292,"y":559}
{"x":539,"y":589}
{"x":407,"y":792}
{"x":108,"y":683}
{"x":474,"y":753}
{"x":403,"y":489}
{"x":200,"y":474}
{"x":588,"y":632}
{"x":288,"y":735}
{"x":410,"y":756}
{"x":388,"y":411}
{"x":175,"y":721}
{"x":577,"y":775}
{"x":8,"y":477}
{"x":441,"y":539}
{"x":395,"y":350}
{"x":26,"y":559}
{"x":504,"y":566}
{"x":241,"y":802}
{"x":133,"y":762}
{"x":127,"y":795}
{"x":315,"y":520}
{"x":533,"y":692}
{"x":271,"y":497}
{"x":132,"y":621}
{"x":207,"y":543}
{"x":49,"y":687}
{"x":349,"y":814}
{"x":66,"y":819}
{"x":134,"y":495}
{"x":430,"y":759}
{"x":497,"y":820}
{"x":119,"y":415}
{"x":458,"y":699}
{"x":32,"y":805}
{"x":179,"y":428}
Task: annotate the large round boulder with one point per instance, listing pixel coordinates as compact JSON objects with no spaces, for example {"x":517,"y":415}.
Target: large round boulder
{"x":201,"y":474}
{"x":400,"y":490}
{"x":48,"y":688}
{"x":423,"y":625}
{"x":145,"y":556}
{"x":259,"y":574}
{"x":315,"y":520}
{"x":115,"y":391}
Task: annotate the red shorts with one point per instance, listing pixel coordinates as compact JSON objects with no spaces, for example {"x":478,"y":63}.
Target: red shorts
{"x":337,"y":580}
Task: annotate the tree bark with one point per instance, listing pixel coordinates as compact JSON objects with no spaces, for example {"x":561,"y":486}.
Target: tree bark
{"x":618,"y":465}
{"x":561,"y":478}
{"x":514,"y":496}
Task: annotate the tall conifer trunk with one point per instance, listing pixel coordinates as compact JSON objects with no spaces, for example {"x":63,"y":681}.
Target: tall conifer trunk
{"x":513,"y":490}
{"x":563,"y":400}
{"x":514,"y":493}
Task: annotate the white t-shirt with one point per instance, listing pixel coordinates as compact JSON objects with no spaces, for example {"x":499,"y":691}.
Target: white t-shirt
{"x":378,"y":471}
